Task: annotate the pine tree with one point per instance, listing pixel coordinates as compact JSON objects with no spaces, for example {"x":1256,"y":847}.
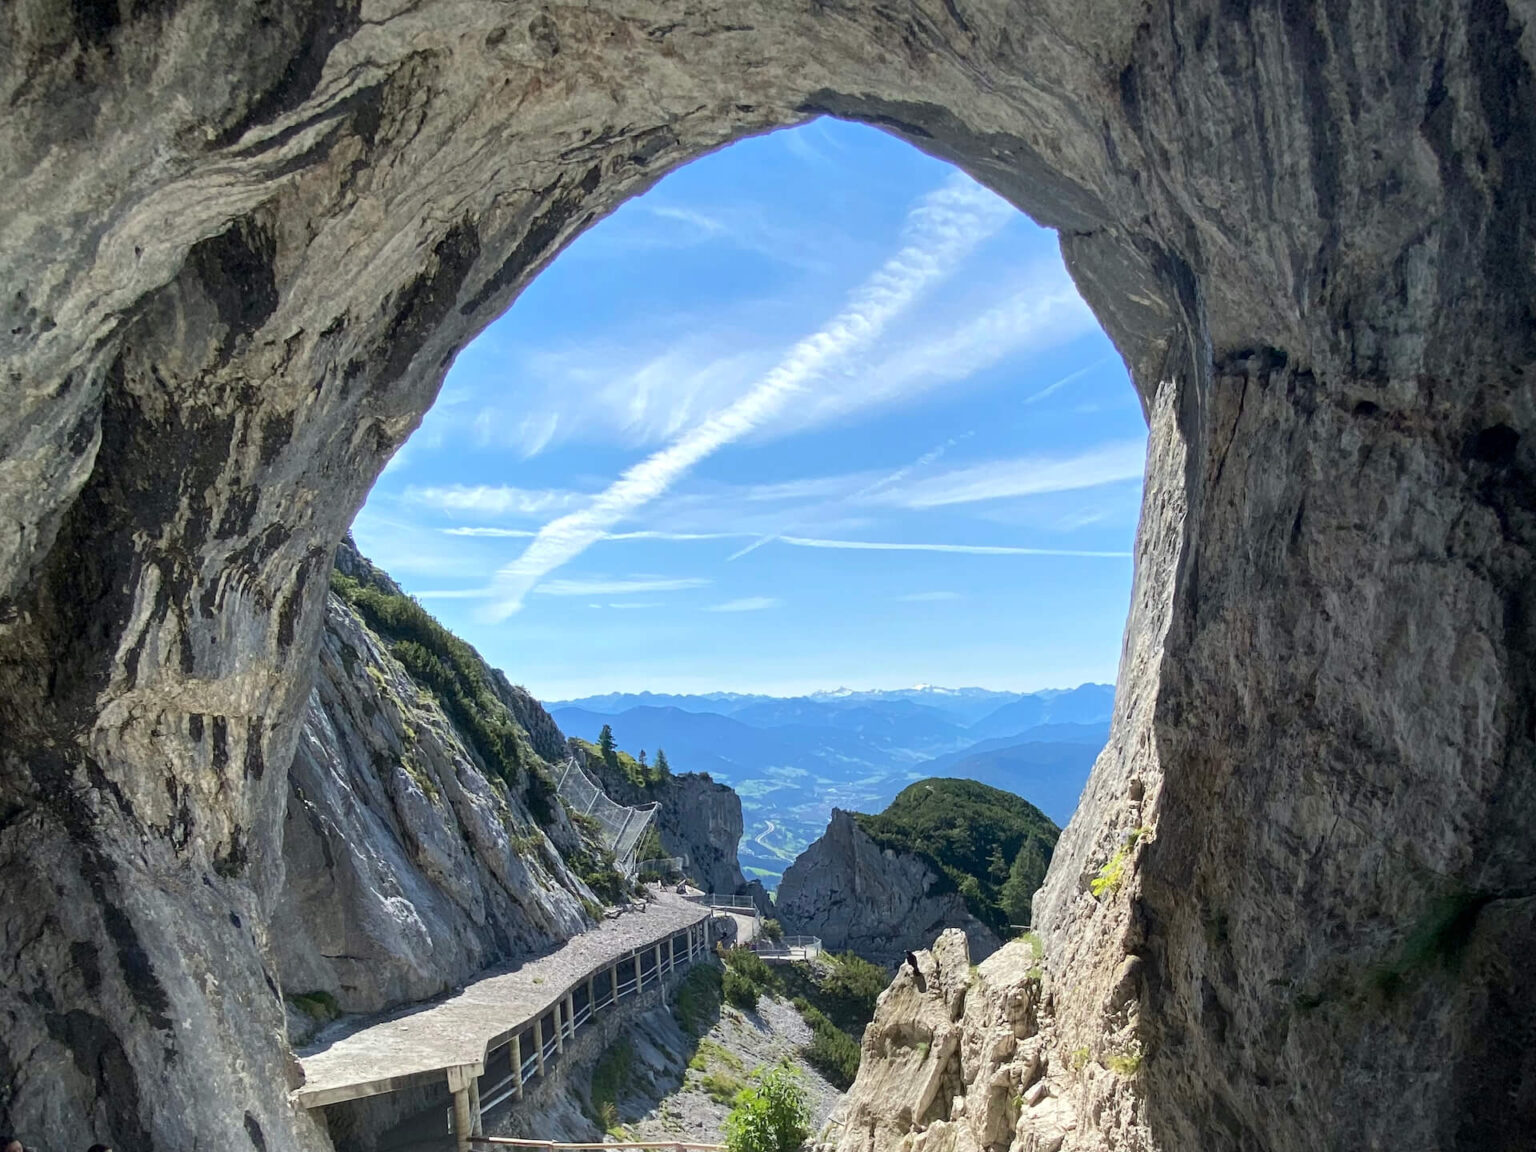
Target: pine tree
{"x":663,"y":769}
{"x":642,"y":757}
{"x":605,"y":745}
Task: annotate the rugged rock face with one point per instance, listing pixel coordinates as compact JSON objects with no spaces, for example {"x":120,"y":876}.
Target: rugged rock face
{"x":877,"y":902}
{"x":244,"y":239}
{"x":698,"y":819}
{"x":406,"y":868}
{"x":962,"y":1059}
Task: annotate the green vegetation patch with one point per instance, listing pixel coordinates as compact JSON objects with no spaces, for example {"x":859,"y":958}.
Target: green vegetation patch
{"x":611,"y":1077}
{"x":832,"y":1052}
{"x":1112,"y":874}
{"x":993,"y":847}
{"x":460,"y":680}
{"x":318,"y":1005}
{"x":634,"y":769}
{"x":771,"y":1115}
{"x":739,"y":991}
{"x":697,"y":1003}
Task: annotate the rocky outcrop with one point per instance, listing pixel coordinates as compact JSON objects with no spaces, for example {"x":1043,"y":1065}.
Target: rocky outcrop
{"x":965,"y":1059}
{"x":408,"y":866}
{"x":874,"y":901}
{"x":696,"y":818}
{"x":243,"y":240}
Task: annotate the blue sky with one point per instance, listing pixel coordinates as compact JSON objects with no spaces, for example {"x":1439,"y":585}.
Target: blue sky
{"x":816,"y":411}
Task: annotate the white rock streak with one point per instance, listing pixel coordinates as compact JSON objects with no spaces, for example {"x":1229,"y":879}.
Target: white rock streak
{"x":940,"y":230}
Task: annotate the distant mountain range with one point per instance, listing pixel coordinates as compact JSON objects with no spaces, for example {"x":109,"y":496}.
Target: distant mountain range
{"x":793,"y":759}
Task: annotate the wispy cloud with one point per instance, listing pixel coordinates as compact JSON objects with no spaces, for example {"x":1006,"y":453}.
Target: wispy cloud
{"x":1021,"y":476}
{"x":1052,"y":388}
{"x":941,"y":230}
{"x":1042,"y":310}
{"x":746,"y":604}
{"x":493,"y":533}
{"x":965,"y":549}
{"x":927,"y":597}
{"x":657,"y":534}
{"x":494,"y":499}
{"x":618,"y":587}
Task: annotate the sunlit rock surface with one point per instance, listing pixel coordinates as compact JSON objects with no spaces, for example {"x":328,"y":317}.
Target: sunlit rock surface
{"x":242,"y":241}
{"x":963,"y":1058}
{"x":880,"y":903}
{"x":407,"y":868}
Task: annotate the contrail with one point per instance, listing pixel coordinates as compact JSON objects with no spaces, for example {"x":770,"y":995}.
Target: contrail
{"x":905,"y":470}
{"x":940,"y":230}
{"x":967,"y":549}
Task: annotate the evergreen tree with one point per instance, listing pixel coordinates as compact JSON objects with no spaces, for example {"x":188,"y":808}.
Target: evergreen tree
{"x":663,"y":769}
{"x":642,"y":757}
{"x":1018,"y":892}
{"x":606,"y":746}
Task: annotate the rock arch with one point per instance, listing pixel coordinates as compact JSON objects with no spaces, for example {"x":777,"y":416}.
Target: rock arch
{"x":242,"y":241}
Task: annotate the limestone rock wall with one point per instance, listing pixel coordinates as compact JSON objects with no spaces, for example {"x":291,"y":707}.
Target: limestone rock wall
{"x":967,"y":1059}
{"x":407,"y":868}
{"x":877,"y":902}
{"x":243,"y":239}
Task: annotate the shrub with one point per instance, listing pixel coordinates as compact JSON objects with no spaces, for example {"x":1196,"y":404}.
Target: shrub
{"x":1107,"y":882}
{"x":721,"y":1087}
{"x":753,"y":967}
{"x":771,"y":1115}
{"x":832,"y":1052}
{"x":739,"y":990}
{"x":319,"y":1005}
{"x":697,"y":1004}
{"x":853,"y":986}
{"x":773,"y":930}
{"x":1125,"y":1064}
{"x":610,"y":1077}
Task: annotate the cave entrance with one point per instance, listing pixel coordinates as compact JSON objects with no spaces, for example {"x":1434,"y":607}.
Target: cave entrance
{"x":247,"y":240}
{"x":816,"y":412}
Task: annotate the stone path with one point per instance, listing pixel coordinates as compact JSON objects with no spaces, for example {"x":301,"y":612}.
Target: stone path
{"x":366,"y":1057}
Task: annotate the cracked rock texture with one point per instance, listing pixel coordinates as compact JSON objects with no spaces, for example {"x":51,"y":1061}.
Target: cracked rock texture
{"x":964,"y":1059}
{"x":243,"y":239}
{"x":875,"y":901}
{"x":408,"y":868}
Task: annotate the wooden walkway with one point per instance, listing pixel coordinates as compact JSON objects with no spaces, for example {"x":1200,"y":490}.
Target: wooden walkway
{"x":520,"y":1017}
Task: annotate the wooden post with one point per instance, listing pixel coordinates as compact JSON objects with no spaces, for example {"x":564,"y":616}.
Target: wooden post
{"x":517,"y":1064}
{"x":638,"y":984}
{"x":591,"y":998}
{"x":559,"y":1028}
{"x":538,"y":1044}
{"x":613,"y":984}
{"x":570,"y":1014}
{"x":658,"y":963}
{"x":466,"y":1121}
{"x":476,"y":1120}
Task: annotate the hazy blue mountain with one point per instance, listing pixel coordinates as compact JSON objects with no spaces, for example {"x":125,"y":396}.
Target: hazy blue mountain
{"x":1085,"y":704}
{"x":794,"y":759}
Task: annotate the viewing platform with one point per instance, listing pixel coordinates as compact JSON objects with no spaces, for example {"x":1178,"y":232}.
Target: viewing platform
{"x":515,"y":1019}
